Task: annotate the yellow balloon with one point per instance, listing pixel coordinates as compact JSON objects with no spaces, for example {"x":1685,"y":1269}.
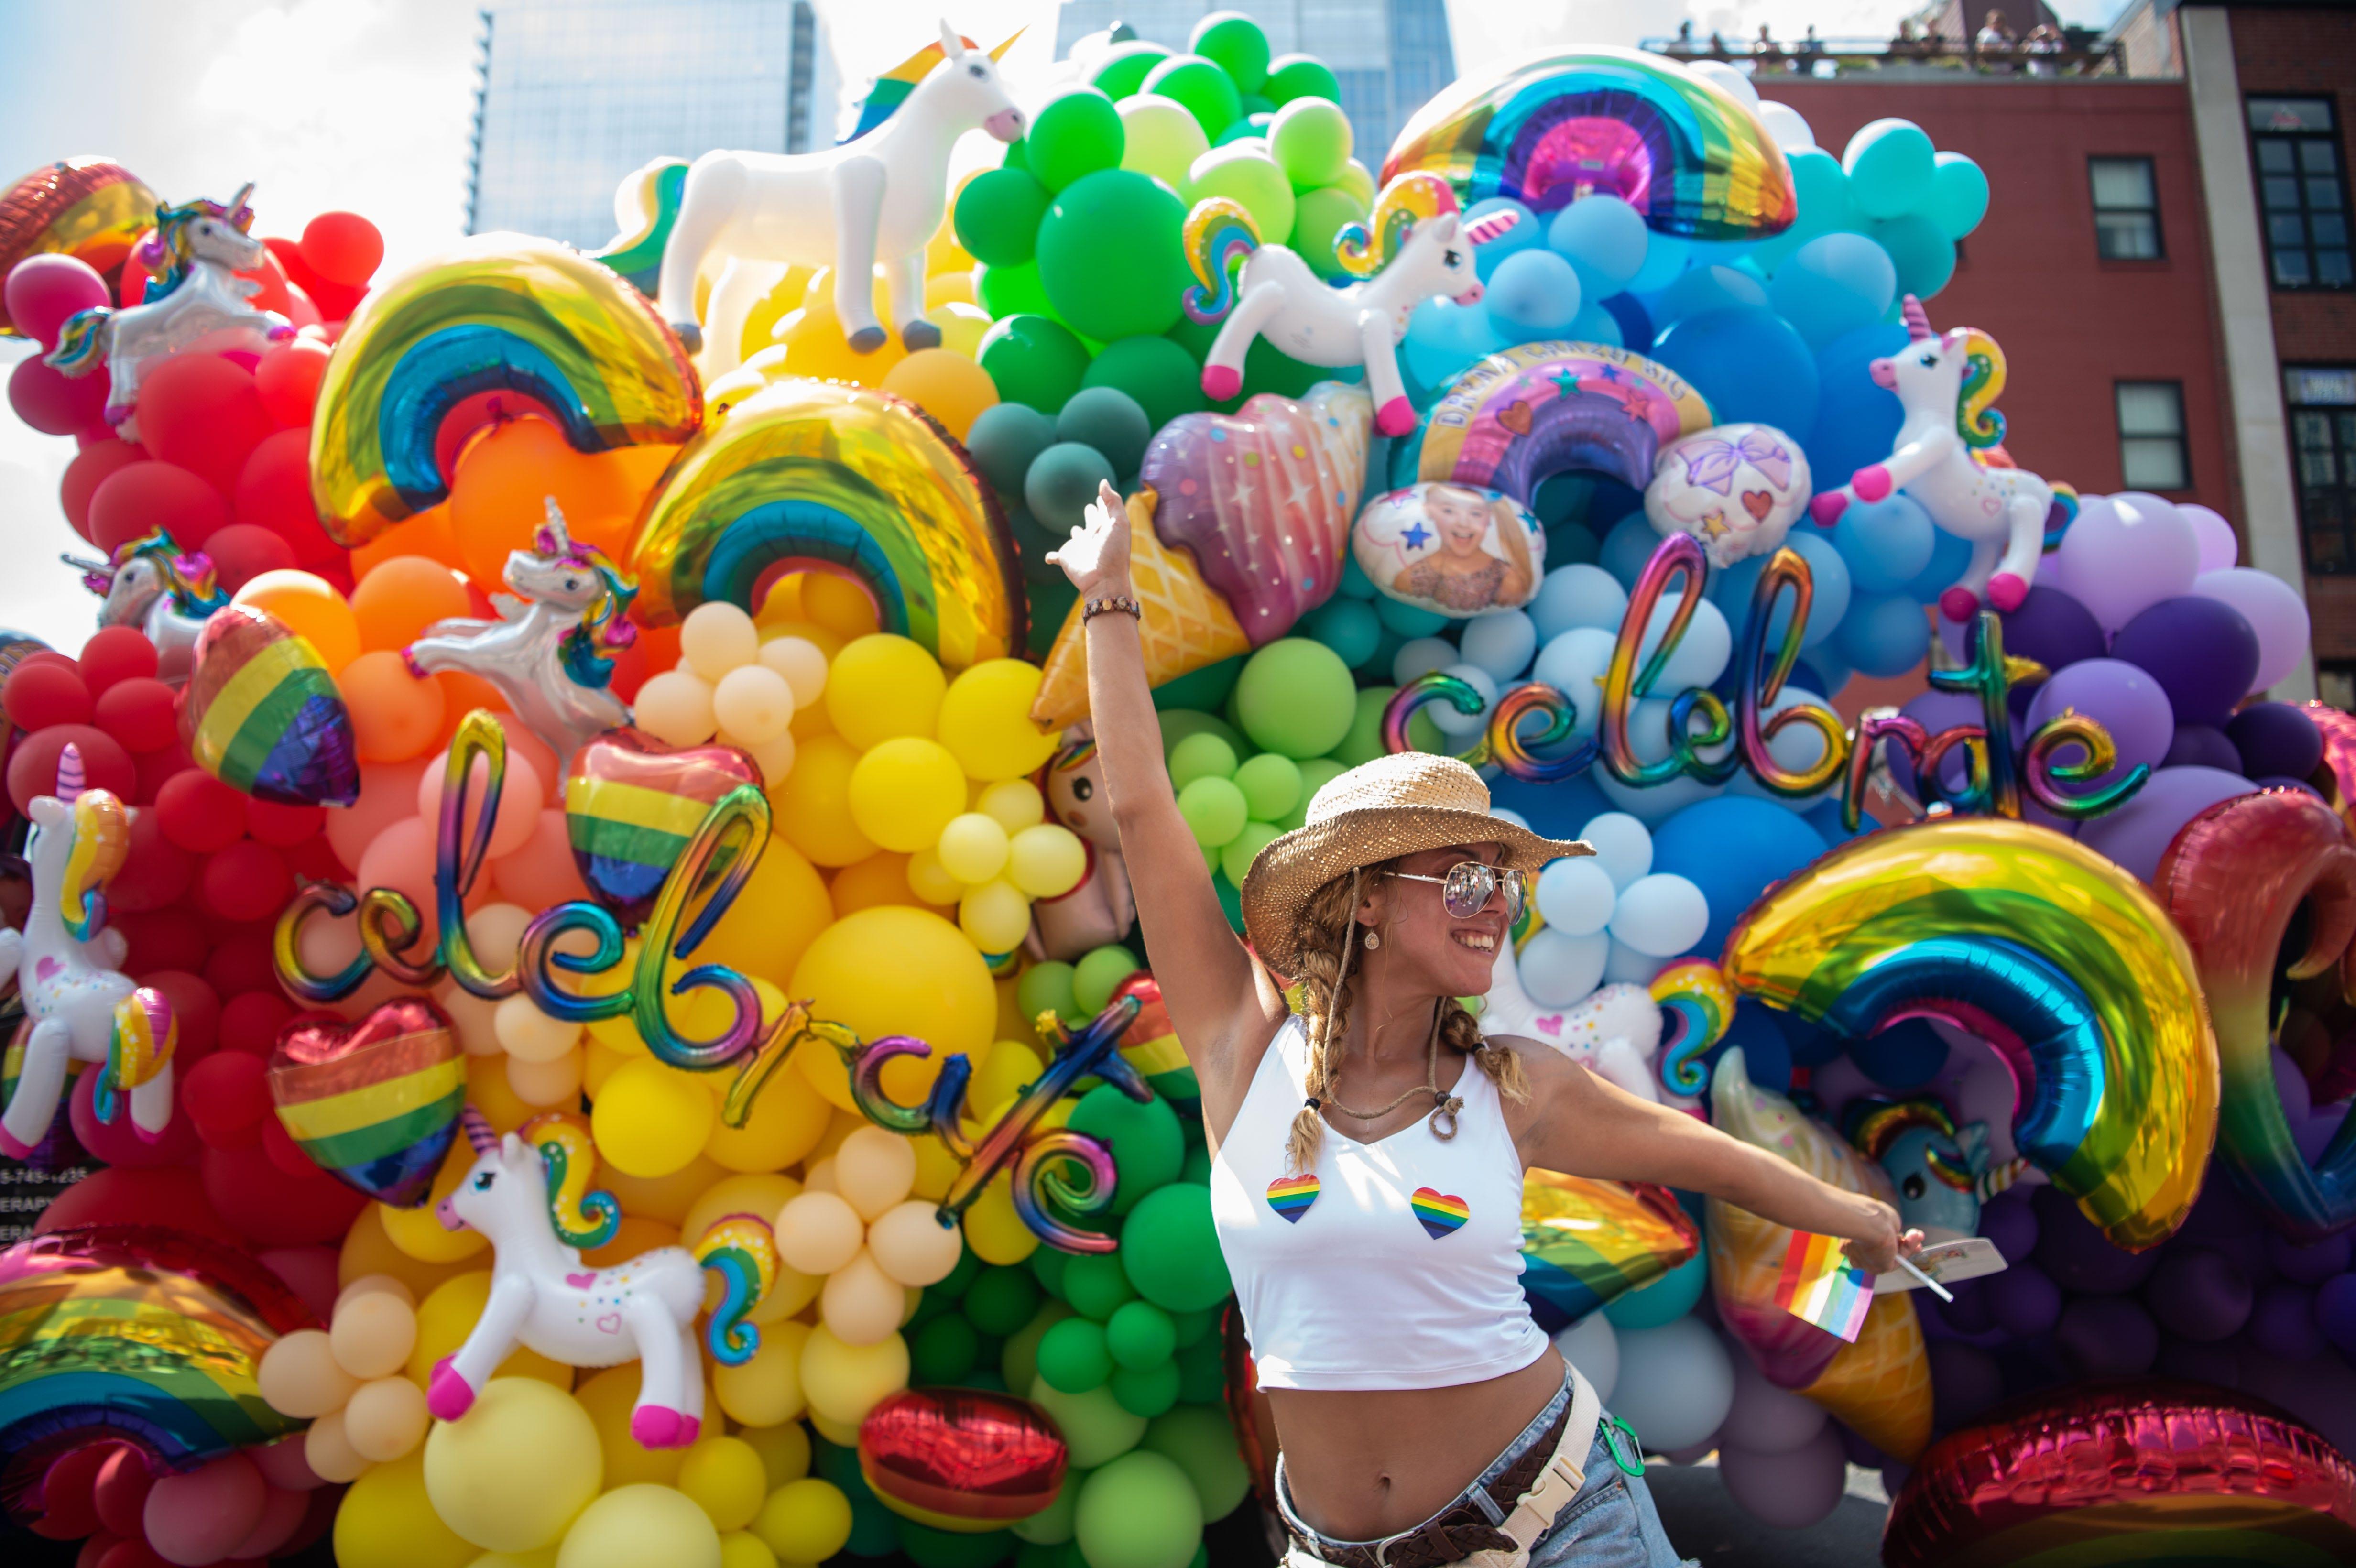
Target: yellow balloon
{"x":946,"y":384}
{"x":447,"y":1316}
{"x":843,"y":1382}
{"x":807,"y":1520}
{"x":765,"y":1391}
{"x":812,"y":804}
{"x":761,"y":321}
{"x":901,"y":971}
{"x":788,"y":1118}
{"x":881,"y":878}
{"x":962,"y":323}
{"x":839,"y":605}
{"x":936,"y":1169}
{"x":635,"y":1234}
{"x":985,"y":720}
{"x":904,"y":791}
{"x":995,"y":915}
{"x":512,"y":1472}
{"x":387,"y":1520}
{"x":841,"y":1434}
{"x":725,"y":1478}
{"x":487,"y":1091}
{"x":651,"y":1121}
{"x":972,"y":848}
{"x":784,"y":1449}
{"x":543,"y":1558}
{"x":597,"y":1064}
{"x":665,"y":1197}
{"x":1013,"y":803}
{"x":641,"y":1527}
{"x":743,"y":1549}
{"x":993,"y":1230}
{"x":618,"y":1033}
{"x":417,"y":1232}
{"x":368,"y":1249}
{"x":1046,"y":861}
{"x":932,"y":883}
{"x":760,"y":1194}
{"x":608,"y":1398}
{"x":1004,"y":1073}
{"x":952,"y":287}
{"x":823,"y":1067}
{"x":881,"y":687}
{"x":782,"y":905}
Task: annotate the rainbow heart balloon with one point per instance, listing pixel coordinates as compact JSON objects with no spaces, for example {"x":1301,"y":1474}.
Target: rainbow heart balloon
{"x":375,"y":1104}
{"x":263,"y":714}
{"x":631,"y":806}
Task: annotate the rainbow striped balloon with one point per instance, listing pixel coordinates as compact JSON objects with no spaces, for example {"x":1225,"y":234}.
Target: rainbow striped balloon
{"x":1602,"y":121}
{"x":1585,"y":1243}
{"x":263,"y":714}
{"x":375,"y":1104}
{"x":630,"y":807}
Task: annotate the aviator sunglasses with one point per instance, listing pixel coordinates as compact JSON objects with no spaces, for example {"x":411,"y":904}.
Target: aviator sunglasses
{"x":1467,"y":887}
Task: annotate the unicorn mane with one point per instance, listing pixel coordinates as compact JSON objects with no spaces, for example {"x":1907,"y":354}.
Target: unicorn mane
{"x":102,"y":841}
{"x":190,"y":574}
{"x":166,"y":253}
{"x":1365,"y":249}
{"x":1976,"y":419}
{"x":891,"y":89}
{"x":582,"y":1218}
{"x":589,"y":649}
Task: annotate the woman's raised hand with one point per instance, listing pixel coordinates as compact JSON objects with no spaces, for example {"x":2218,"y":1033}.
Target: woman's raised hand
{"x":1096,"y":558}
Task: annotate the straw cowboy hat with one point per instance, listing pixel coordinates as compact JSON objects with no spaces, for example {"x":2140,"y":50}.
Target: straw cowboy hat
{"x":1394,"y":805}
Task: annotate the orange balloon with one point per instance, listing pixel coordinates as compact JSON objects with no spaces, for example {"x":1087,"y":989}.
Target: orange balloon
{"x":309,"y":606}
{"x":395,"y":716}
{"x":426,"y":534}
{"x":949,"y":386}
{"x":542,"y":872}
{"x":881,"y":878}
{"x":395,"y":602}
{"x":498,"y":497}
{"x":462,"y":693}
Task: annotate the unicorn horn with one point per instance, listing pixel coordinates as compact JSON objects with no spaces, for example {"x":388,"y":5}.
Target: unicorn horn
{"x":1917,"y":320}
{"x":71,"y":779}
{"x":556,"y":529}
{"x":999,"y":52}
{"x":479,"y":1131}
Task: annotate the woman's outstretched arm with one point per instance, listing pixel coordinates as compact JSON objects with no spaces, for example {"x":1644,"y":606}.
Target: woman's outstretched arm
{"x":1219,"y":1002}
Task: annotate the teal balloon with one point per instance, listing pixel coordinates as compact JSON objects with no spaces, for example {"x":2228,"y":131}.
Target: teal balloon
{"x":1031,"y":359}
{"x":1348,"y":627}
{"x":1170,"y":1251}
{"x":1108,"y":419}
{"x":1408,"y":620}
{"x":1050,"y":604}
{"x":1201,"y":691}
{"x":1595,"y":324}
{"x":1062,"y":482}
{"x":1821,"y":188}
{"x":1108,"y":296}
{"x":996,"y":216}
{"x":1890,"y":165}
{"x":1005,"y":440}
{"x":1664,"y":1300}
{"x":1959,"y":195}
{"x":1923,"y":256}
{"x":1156,"y":372}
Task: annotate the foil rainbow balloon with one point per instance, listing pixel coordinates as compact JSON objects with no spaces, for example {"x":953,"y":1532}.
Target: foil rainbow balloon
{"x":817,"y":476}
{"x":133,"y":1334}
{"x":88,"y":208}
{"x":1697,"y":1009}
{"x":1585,"y":1243}
{"x":1602,"y":121}
{"x":2044,"y":948}
{"x":502,"y":313}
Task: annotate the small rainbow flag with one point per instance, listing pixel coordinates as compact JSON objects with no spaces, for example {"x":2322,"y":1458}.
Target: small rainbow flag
{"x":1820,"y":1286}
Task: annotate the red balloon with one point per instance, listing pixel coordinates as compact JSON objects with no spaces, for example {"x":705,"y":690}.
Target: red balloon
{"x":281,"y":826}
{"x":133,"y":1554}
{"x":226,"y":1097}
{"x":116,"y":653}
{"x":241,"y":962}
{"x":33,"y":762}
{"x":283,"y":1151}
{"x":204,"y":413}
{"x":155,"y":873}
{"x":316,"y":858}
{"x":120,"y":1492}
{"x":171,"y":938}
{"x":56,"y":403}
{"x":334,"y":300}
{"x":139,"y":498}
{"x":273,"y":491}
{"x":272,"y":294}
{"x":249,"y":1023}
{"x":288,"y":377}
{"x":142,"y":714}
{"x":199,"y":813}
{"x":90,"y":465}
{"x":155,"y":769}
{"x":273,"y":1206}
{"x":246,"y":882}
{"x":42,"y":290}
{"x":343,"y":248}
{"x":69,"y":1512}
{"x":196,"y":1008}
{"x":40,"y":694}
{"x":131,"y":1196}
{"x":243,"y":551}
{"x":282,"y":1513}
{"x":120,"y":1143}
{"x":309,"y":1272}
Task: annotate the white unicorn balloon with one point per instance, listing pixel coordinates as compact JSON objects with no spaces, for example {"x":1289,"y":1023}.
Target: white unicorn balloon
{"x":530,"y":1194}
{"x":878,"y":196}
{"x":66,"y":962}
{"x":1947,"y":384}
{"x":154,"y":586}
{"x":1421,"y":244}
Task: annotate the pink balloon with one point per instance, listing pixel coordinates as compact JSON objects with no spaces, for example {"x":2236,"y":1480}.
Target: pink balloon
{"x":54,"y":402}
{"x":401,"y":859}
{"x":521,"y":794}
{"x":283,"y":1465}
{"x":2219,"y":546}
{"x":205,"y":1515}
{"x":542,"y":873}
{"x":281,"y":1516}
{"x":42,"y":290}
{"x":388,"y":794}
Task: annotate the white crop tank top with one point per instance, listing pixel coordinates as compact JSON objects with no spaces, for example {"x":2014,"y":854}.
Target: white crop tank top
{"x":1394,"y":1264}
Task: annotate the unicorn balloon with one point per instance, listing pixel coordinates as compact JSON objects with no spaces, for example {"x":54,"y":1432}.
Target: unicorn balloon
{"x":1947,"y":384}
{"x":879,"y":197}
{"x":196,"y":300}
{"x":157,"y":588}
{"x":529,"y":1192}
{"x":1935,"y":1165}
{"x":552,"y":651}
{"x":78,"y":1006}
{"x":1421,"y":248}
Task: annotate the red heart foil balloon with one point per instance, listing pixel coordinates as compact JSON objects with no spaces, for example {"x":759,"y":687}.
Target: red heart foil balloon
{"x":630,"y":806}
{"x":962,"y":1459}
{"x":374,"y":1104}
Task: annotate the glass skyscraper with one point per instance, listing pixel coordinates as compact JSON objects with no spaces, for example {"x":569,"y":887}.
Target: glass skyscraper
{"x":571,"y":95}
{"x":1389,"y":56}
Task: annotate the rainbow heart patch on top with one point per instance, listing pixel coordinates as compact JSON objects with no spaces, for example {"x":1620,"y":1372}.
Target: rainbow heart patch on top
{"x":1290,"y":1196}
{"x":1439,"y":1213}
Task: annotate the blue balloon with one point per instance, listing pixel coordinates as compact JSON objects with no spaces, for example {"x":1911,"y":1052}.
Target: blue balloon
{"x":1554,"y":810}
{"x":1443,"y":338}
{"x":1733,"y":847}
{"x":1823,"y":193}
{"x":1834,"y":285}
{"x":1530,"y":234}
{"x":1906,"y":1055}
{"x":1626,"y":548}
{"x":1596,"y":325}
{"x":1604,"y":238}
{"x":1950,"y":554}
{"x":1919,"y":249}
{"x":1890,"y":165}
{"x":1883,"y":634}
{"x":1665,"y":257}
{"x":1706,"y":289}
{"x":1758,"y":1028}
{"x":1730,"y":589}
{"x":1746,"y":362}
{"x":1533,"y":294}
{"x":1821,"y":669}
{"x":1959,"y":195}
{"x":1635,"y":321}
{"x":1824,"y":817}
{"x":1812,"y":1045}
{"x":1887,"y":543}
{"x":1664,"y":1300}
{"x":1830,"y":574}
{"x":1856,"y":422}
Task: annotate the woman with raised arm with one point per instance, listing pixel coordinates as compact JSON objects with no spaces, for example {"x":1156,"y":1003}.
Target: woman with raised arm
{"x":1368,"y":1153}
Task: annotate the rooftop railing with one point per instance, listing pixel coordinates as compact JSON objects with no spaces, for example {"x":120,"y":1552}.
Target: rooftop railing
{"x":2078,"y":55}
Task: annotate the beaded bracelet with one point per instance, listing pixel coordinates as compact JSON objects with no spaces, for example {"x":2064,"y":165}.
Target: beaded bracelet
{"x":1123,"y":604}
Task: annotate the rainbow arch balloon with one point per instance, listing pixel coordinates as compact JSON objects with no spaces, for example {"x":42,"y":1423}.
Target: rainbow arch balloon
{"x":818,"y":477}
{"x":1602,"y":121}
{"x":2035,"y":942}
{"x":137,"y":1334}
{"x":502,"y":311}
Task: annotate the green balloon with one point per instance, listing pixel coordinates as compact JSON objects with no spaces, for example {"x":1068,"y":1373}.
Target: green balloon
{"x":1111,"y":258}
{"x":1203,"y":755}
{"x":1050,"y":604}
{"x":1231,"y":904}
{"x":1195,"y":336}
{"x":1316,"y":773}
{"x":1310,"y":138}
{"x":1018,"y":1359}
{"x":1014,"y":290}
{"x":1052,"y":1525}
{"x":1198,"y":1158}
{"x":1296,"y":698}
{"x":1138,"y":1511}
{"x":1214,"y":809}
{"x":943,"y":1351}
{"x":1236,"y":43}
{"x":1171,"y":1253}
{"x":1124,"y":67}
{"x":1364,"y":743}
{"x":1301,"y":76}
{"x":1164,"y":379}
{"x":1146,"y":1391}
{"x":1246,"y":175}
{"x":1257,"y":104}
{"x":1046,"y":1266}
{"x":1094,"y":1425}
{"x":1033,"y":360}
{"x":1077,"y":133}
{"x":1046,"y":989}
{"x":1202,"y":1372}
{"x":998,"y":216}
{"x":1096,"y":1286}
{"x":1005,"y":440}
{"x":1000,"y":1299}
{"x":1147,"y":1149}
{"x":1272,"y":786}
{"x":1060,"y":483}
{"x":1200,"y":1440}
{"x":1359,"y":181}
{"x":1062,"y":1554}
{"x":1163,"y":139}
{"x":1199,"y":691}
{"x":1317,"y":218}
{"x":1108,"y":419}
{"x":1095,"y":976}
{"x":1208,"y":91}
{"x":1072,"y":1358}
{"x":1141,"y":1335}
{"x":1192,"y":1325}
{"x":1236,"y":855}
{"x":1268,"y":369}
{"x":929,"y":1548}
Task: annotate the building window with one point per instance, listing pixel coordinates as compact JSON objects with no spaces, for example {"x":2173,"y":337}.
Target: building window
{"x":2302,"y":190}
{"x":2322,"y":401}
{"x":2152,"y":435}
{"x":2126,"y":210}
{"x":2336,"y":684}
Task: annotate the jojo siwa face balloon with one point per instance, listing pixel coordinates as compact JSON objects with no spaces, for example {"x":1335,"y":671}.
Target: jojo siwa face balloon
{"x":1455,"y":550}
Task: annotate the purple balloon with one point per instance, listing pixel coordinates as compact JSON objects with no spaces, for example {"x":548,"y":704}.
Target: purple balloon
{"x":2335,"y":1312}
{"x":2219,"y":547}
{"x":1859,"y":1450}
{"x":2194,"y":1363}
{"x":1938,"y":710}
{"x":2055,"y":630}
{"x":2010,"y":1222}
{"x":2314,"y":1136}
{"x":2283,"y":1323}
{"x":1965,"y":1383}
{"x":2105,"y":1336}
{"x":2275,"y":739}
{"x":2310,"y":1264}
{"x":2125,"y":552}
{"x":2118,"y":696}
{"x":2200,"y":650}
{"x":1790,"y":1490}
{"x":2197,"y":1294}
{"x":2026,"y":1301}
{"x":1970,"y":1313}
{"x":2078,"y":1256}
{"x":2275,"y":611}
{"x":2202,"y":746}
{"x":2138,"y":833}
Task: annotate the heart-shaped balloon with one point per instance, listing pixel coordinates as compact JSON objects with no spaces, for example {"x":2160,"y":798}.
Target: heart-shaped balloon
{"x":631,"y":804}
{"x":962,"y":1459}
{"x":375,"y":1104}
{"x":263,"y":714}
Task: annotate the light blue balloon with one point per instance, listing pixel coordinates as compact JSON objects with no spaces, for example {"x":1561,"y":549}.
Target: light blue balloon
{"x":1821,"y":668}
{"x":1796,"y":750}
{"x":1558,"y":969}
{"x":1626,"y":548}
{"x":1628,"y":966}
{"x":1578,"y":595}
{"x":1833,"y":285}
{"x":1919,"y":249}
{"x":1501,"y":643}
{"x":1533,"y":294}
{"x":1443,"y":338}
{"x":1574,"y":664}
{"x":1890,"y":165}
{"x":1702,"y":654}
{"x":1857,"y":421}
{"x":1596,"y":325}
{"x":1420,"y":657}
{"x":1665,"y":257}
{"x":1883,"y":634}
{"x":1705,"y":289}
{"x":1452,"y":721}
{"x":1746,"y":362}
{"x":1604,"y":238}
{"x":1664,"y":1300}
{"x":1529,"y":234}
{"x":1576,"y":895}
{"x":1886,"y":543}
{"x":1831,"y":575}
{"x":1949,"y":555}
{"x":1648,"y":737}
{"x":1959,"y":195}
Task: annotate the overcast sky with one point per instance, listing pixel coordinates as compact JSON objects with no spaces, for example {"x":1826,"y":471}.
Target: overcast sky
{"x":366,"y":104}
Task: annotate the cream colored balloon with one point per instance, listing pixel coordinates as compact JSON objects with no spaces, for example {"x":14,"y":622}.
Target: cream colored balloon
{"x":861,"y":1305}
{"x":776,"y":755}
{"x":299,"y":1375}
{"x":386,"y":1419}
{"x":548,"y":1082}
{"x":753,"y":702}
{"x":717,"y":637}
{"x":818,"y":1232}
{"x":373,"y":1334}
{"x":472,"y":1017}
{"x":369,"y":1283}
{"x":530,"y":1035}
{"x":909,"y":1243}
{"x":675,"y":707}
{"x":329,"y":1452}
{"x":801,"y":662}
{"x":873,"y":1169}
{"x":493,"y":932}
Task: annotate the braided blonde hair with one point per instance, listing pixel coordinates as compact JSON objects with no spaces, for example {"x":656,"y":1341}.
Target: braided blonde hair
{"x":1326,"y":929}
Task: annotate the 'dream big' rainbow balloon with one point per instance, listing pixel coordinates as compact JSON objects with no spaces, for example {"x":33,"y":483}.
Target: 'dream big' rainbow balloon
{"x":502,"y":313}
{"x":2038,"y":944}
{"x":1600,"y":121}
